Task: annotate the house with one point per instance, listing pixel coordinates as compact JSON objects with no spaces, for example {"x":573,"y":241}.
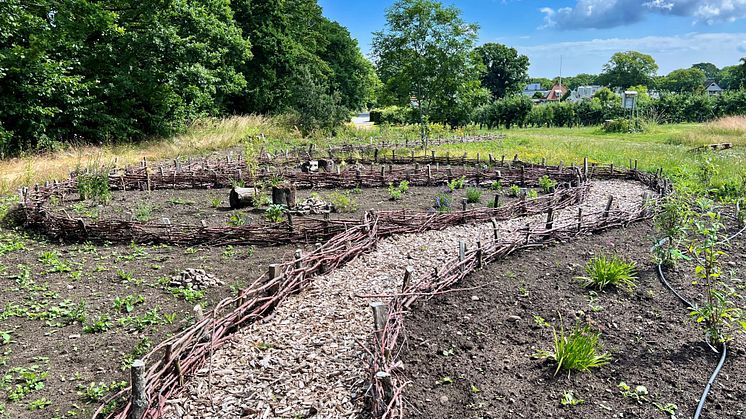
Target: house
{"x":533,"y":88}
{"x":556,"y":93}
{"x":586,"y":92}
{"x":712,"y":88}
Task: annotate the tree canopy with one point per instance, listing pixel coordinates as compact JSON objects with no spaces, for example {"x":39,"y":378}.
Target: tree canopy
{"x":506,"y":72}
{"x":685,"y":80}
{"x":629,"y":68}
{"x":424,"y":53}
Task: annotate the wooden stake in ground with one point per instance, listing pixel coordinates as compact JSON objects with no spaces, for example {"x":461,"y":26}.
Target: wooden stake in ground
{"x":138,"y":398}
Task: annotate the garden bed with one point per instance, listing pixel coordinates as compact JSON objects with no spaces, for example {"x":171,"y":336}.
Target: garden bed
{"x":469,"y":353}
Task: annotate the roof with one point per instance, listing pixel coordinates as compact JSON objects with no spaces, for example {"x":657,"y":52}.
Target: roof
{"x":712,"y":85}
{"x":556,"y":92}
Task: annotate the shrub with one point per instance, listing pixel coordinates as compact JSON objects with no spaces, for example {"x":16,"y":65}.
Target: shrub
{"x":442,"y":202}
{"x":532,"y":194}
{"x":547,"y":184}
{"x":94,"y":184}
{"x":395,"y":193}
{"x":393,"y":115}
{"x":602,"y":271}
{"x":456,"y":183}
{"x":514,"y":190}
{"x":343,"y":202}
{"x":275,"y":213}
{"x":578,"y":351}
{"x":624,"y":125}
{"x":473,"y":195}
{"x":143,"y":212}
{"x":497,"y":185}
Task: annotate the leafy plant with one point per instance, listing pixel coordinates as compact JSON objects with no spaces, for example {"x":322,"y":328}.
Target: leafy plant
{"x":602,"y":271}
{"x":143,"y":212}
{"x":473,"y":195}
{"x":39,"y":404}
{"x":456,"y":183}
{"x":638,"y":394}
{"x":52,"y":259}
{"x":568,"y":399}
{"x":128,"y":303}
{"x":671,"y":222}
{"x":215,"y":202}
{"x":141,"y":348}
{"x":540,"y":321}
{"x":444,"y":380}
{"x":275,"y":213}
{"x":532,"y":194}
{"x":343,"y":202}
{"x":577,"y":351}
{"x":238,"y":219}
{"x":514,"y":190}
{"x":96,"y":392}
{"x":496,"y":185}
{"x":94,"y":184}
{"x":139,"y":323}
{"x":442,"y":202}
{"x":188,"y":294}
{"x":668,"y":408}
{"x":547,"y":184}
{"x":28,"y":379}
{"x":404,"y":186}
{"x":101,"y":324}
{"x":394,"y":193}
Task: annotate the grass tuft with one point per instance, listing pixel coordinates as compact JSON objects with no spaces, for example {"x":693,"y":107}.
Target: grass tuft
{"x":602,"y":271}
{"x":577,"y":351}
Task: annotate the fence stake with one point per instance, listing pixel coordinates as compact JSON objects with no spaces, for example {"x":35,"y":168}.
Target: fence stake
{"x":298,"y":258}
{"x":497,"y":200}
{"x":585,"y":167}
{"x":138,"y":398}
{"x":408,"y":272}
{"x":550,"y":218}
{"x":461,"y":252}
{"x":494,"y":227}
{"x":463,"y":204}
{"x":580,"y":219}
{"x":480,"y":257}
{"x":608,"y":206}
{"x":380,"y":312}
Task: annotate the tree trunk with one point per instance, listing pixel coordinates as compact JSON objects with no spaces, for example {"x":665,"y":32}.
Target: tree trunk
{"x":241,"y":198}
{"x":284,"y":195}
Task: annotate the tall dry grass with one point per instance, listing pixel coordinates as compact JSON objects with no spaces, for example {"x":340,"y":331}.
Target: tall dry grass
{"x":733,"y":125}
{"x":202,"y":137}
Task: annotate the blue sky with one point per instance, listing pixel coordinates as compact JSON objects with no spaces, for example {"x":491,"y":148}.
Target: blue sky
{"x":677,"y":33}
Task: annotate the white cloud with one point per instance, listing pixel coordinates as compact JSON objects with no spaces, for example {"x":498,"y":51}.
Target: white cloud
{"x":612,"y":13}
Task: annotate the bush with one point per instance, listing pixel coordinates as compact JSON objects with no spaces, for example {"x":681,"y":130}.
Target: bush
{"x":343,"y":202}
{"x":94,"y":184}
{"x":393,"y":115}
{"x":547,"y":184}
{"x":473,"y":195}
{"x":578,"y":351}
{"x":602,"y":271}
{"x":442,"y":202}
{"x":625,"y":125}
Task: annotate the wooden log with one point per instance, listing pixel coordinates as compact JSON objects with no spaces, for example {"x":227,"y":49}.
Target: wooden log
{"x":380,"y":313}
{"x":138,"y":396}
{"x":284,"y":195}
{"x":241,"y":197}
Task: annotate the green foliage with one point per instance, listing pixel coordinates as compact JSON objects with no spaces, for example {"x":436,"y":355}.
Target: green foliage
{"x":128,"y":303}
{"x":602,"y":271}
{"x":238,"y":219}
{"x":442,"y":202}
{"x":625,"y":125}
{"x":94,"y":184}
{"x":577,"y":351}
{"x":97,"y":392}
{"x":671,"y":225}
{"x":394,"y":192}
{"x":496,"y":185}
{"x":638,"y":394}
{"x":394,"y":115}
{"x":143,"y":212}
{"x":689,"y":80}
{"x":514,"y":190}
{"x":473,"y":195}
{"x":275,"y":213}
{"x":630,"y":68}
{"x":343,"y":202}
{"x":568,"y":399}
{"x":455,"y":184}
{"x":426,"y":51}
{"x":39,"y":404}
{"x":506,"y":71}
{"x":101,"y":324}
{"x":27,"y":379}
{"x":142,"y":348}
{"x":509,"y":111}
{"x":532,"y":194}
{"x":547,"y":184}
{"x":215,"y":202}
{"x":188,"y":294}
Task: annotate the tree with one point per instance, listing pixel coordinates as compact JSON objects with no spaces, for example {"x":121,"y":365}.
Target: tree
{"x":545,"y":83}
{"x":582,"y":79}
{"x":687,"y":80}
{"x":506,"y":71}
{"x":711,"y":71}
{"x":629,"y":68}
{"x":424,"y":53}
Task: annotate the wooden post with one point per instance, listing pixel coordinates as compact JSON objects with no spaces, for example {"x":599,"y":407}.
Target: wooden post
{"x":480,"y":257}
{"x":461,"y":252}
{"x":298,"y":258}
{"x":497,"y":200}
{"x":585,"y":167}
{"x":580,"y":219}
{"x":608,"y":206}
{"x":408,"y":273}
{"x":429,"y":174}
{"x":464,"y":202}
{"x":380,"y":313}
{"x":502,"y":161}
{"x":494,"y":227}
{"x":635,"y":165}
{"x":550,"y":218}
{"x":138,"y":397}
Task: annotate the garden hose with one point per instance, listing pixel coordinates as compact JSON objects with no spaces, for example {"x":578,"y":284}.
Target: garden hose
{"x":724,"y":347}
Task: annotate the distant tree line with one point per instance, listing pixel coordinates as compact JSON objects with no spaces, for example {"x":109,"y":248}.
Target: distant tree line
{"x":99,"y":71}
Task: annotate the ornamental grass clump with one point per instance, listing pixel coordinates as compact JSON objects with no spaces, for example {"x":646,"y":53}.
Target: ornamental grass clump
{"x":602,"y":271}
{"x":577,"y":351}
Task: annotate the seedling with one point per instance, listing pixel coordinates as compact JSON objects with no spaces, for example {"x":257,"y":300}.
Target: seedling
{"x":540,"y":321}
{"x":188,"y":294}
{"x":275,"y":213}
{"x":101,"y":324}
{"x":514,"y":190}
{"x":39,"y":404}
{"x":568,"y":399}
{"x":497,"y":185}
{"x":343,"y":202}
{"x":602,"y":271}
{"x":668,"y":408}
{"x":532,"y":194}
{"x":128,"y":303}
{"x":238,"y":219}
{"x":456,"y":183}
{"x":577,"y":351}
{"x":547,"y":184}
{"x":444,"y":380}
{"x":638,"y":394}
{"x":672,"y":224}
{"x":143,"y":212}
{"x":394,"y":193}
{"x":215,"y":202}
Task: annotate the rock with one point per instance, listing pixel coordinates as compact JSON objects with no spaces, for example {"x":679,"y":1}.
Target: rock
{"x":514,"y":318}
{"x":443,"y":400}
{"x":474,"y":298}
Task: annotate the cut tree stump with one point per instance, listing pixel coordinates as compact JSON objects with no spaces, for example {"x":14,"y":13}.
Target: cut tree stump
{"x":284,"y":195}
{"x":241,"y":198}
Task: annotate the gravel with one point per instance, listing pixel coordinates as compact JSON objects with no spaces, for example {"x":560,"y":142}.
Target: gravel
{"x":307,"y":358}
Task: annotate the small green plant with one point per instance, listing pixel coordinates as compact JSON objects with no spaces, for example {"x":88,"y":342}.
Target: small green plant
{"x":444,"y":380}
{"x":394,"y":193}
{"x":275,"y":213}
{"x":179,"y":201}
{"x":94,"y":184}
{"x":669,"y":408}
{"x":96,"y":392}
{"x":27,"y":379}
{"x":238,"y":219}
{"x":456,"y":183}
{"x":473,"y":195}
{"x":124,"y":275}
{"x":343,"y":202}
{"x":143,"y":212}
{"x":547,"y":184}
{"x":577,"y":351}
{"x":638,"y":394}
{"x":532,"y":194}
{"x":671,"y":222}
{"x":101,"y":324}
{"x":442,"y":203}
{"x":128,"y":303}
{"x":261,"y":199}
{"x":141,"y":348}
{"x":52,"y":259}
{"x":540,"y":321}
{"x":496,"y":185}
{"x":39,"y":404}
{"x":404,"y":186}
{"x":602,"y":271}
{"x":188,"y":294}
{"x":568,"y":399}
{"x":514,"y":190}
{"x":6,"y":337}
{"x":215,"y":202}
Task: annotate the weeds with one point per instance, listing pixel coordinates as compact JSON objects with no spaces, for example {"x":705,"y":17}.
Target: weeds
{"x":94,"y":184}
{"x":101,"y":324}
{"x":577,"y":351}
{"x":188,"y":294}
{"x":96,"y":392}
{"x":496,"y":185}
{"x":343,"y":202}
{"x":216,"y":202}
{"x":141,"y":348}
{"x":143,"y":212}
{"x":514,"y":190}
{"x":238,"y":219}
{"x":39,"y":404}
{"x":275,"y":213}
{"x":568,"y":399}
{"x":602,"y":271}
{"x":396,"y":192}
{"x":128,"y":303}
{"x":547,"y":184}
{"x":532,"y":194}
{"x":638,"y":394}
{"x":456,"y":183}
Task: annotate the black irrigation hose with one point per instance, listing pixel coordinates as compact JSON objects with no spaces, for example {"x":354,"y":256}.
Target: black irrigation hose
{"x":724,"y":351}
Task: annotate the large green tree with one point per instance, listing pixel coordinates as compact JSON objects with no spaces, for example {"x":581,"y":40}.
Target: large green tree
{"x":629,"y":68}
{"x":711,"y":71}
{"x":425,"y":54}
{"x":686,"y":80}
{"x":506,"y":72}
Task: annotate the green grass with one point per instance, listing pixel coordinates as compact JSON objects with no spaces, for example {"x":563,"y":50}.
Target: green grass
{"x":577,"y":351}
{"x":602,"y":271}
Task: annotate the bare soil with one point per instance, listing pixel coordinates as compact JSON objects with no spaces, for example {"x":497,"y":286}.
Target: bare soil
{"x":483,"y":340}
